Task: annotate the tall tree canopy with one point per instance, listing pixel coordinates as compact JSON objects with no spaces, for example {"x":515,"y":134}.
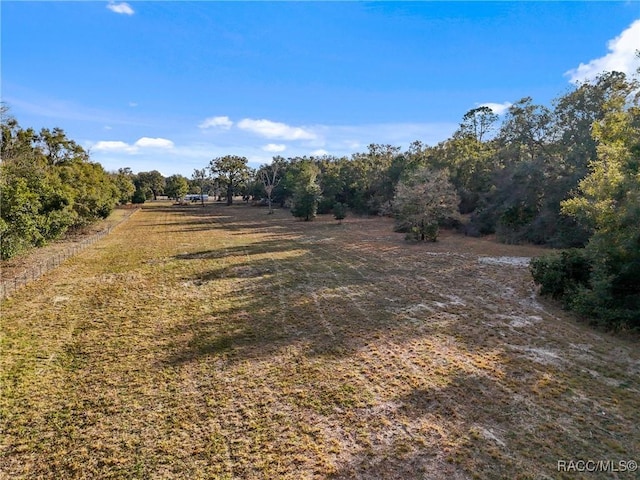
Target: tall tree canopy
{"x":231,"y":171}
{"x":176,"y":186}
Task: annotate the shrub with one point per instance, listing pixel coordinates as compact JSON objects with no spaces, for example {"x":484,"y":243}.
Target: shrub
{"x":139,"y":196}
{"x":339,"y":211}
{"x":560,"y":276}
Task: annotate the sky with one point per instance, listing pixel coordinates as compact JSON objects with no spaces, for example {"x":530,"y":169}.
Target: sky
{"x":169,"y":86}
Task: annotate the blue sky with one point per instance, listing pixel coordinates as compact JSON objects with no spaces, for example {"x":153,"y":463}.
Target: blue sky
{"x":171,"y":85}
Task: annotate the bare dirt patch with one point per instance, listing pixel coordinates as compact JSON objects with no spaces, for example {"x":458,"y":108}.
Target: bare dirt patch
{"x":222,"y":342}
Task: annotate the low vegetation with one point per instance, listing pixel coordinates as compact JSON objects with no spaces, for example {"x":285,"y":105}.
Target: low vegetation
{"x":223,"y":342}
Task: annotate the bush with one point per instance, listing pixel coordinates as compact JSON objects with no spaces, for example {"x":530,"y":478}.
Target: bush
{"x":325,"y":205}
{"x":560,"y":276}
{"x":138,"y":197}
{"x":604,"y":296}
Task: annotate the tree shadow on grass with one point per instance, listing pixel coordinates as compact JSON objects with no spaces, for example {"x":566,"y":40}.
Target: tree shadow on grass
{"x":288,"y":292}
{"x":279,"y":244}
{"x":403,"y":448}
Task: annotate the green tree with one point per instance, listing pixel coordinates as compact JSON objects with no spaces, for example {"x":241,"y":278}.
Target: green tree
{"x":176,"y":187}
{"x":152,"y":183}
{"x":48,"y":186}
{"x":123,"y":180}
{"x":477,"y":123}
{"x":526,"y":131}
{"x":139,"y":196}
{"x":58,"y":149}
{"x":423,"y":202}
{"x":19,"y":221}
{"x":307,"y":192}
{"x":608,"y":202}
{"x":367,"y":183}
{"x":330,"y":181}
{"x":231,"y":171}
{"x":95,"y":194}
{"x":339,"y":211}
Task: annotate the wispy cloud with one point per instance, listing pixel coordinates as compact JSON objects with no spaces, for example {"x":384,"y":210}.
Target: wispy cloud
{"x":192,"y":152}
{"x":319,"y":153}
{"x":122,"y":8}
{"x":34,"y":103}
{"x":497,"y":108}
{"x":223,"y":122}
{"x":274,"y":147}
{"x":269,"y":129}
{"x":621,"y":57}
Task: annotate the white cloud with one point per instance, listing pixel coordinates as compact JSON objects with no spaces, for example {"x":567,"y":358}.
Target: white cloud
{"x":133,"y":104}
{"x":621,"y":57}
{"x":223,"y":122}
{"x":269,"y":129}
{"x":113,"y":146}
{"x":146,"y":142}
{"x":123,"y":147}
{"x":319,"y":153}
{"x":123,"y":8}
{"x":274,"y":147}
{"x":497,"y":108}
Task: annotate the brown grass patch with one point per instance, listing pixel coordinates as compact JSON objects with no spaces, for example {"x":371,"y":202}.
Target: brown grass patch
{"x":222,"y":342}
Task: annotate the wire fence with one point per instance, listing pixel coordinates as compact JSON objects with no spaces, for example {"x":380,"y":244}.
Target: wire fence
{"x":7,"y":287}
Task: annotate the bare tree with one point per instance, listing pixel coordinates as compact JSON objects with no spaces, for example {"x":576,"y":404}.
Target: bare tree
{"x":270,"y":180}
{"x":200,"y":176}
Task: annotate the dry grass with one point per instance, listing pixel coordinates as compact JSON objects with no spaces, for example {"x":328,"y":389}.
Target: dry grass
{"x":227,"y":343}
{"x":16,"y":266}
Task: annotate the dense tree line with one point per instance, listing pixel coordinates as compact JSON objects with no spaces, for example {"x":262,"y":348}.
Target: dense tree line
{"x":48,"y":186}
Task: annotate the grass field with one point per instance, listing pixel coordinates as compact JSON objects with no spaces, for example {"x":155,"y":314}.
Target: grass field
{"x":222,"y":342}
